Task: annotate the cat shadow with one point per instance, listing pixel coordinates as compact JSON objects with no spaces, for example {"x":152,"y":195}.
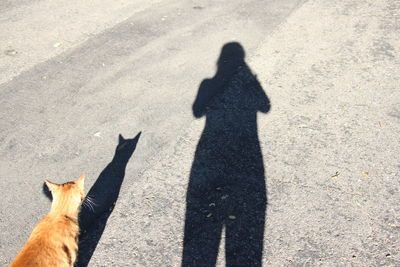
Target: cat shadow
{"x":101,"y":198}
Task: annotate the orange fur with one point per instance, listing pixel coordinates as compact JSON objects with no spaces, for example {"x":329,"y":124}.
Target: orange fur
{"x":54,"y":241}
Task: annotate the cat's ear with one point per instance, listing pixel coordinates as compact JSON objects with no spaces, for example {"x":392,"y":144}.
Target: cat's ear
{"x":81,"y":181}
{"x":51,"y":186}
{"x":121,"y":139}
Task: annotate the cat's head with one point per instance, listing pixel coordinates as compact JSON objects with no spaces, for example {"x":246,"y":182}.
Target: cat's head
{"x":126,"y":147}
{"x":67,"y":197}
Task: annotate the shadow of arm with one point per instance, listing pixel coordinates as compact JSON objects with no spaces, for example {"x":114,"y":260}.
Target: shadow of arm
{"x":263,"y":102}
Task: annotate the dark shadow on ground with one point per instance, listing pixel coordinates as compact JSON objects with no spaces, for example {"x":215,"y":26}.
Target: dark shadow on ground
{"x":101,"y":200}
{"x":227,"y":187}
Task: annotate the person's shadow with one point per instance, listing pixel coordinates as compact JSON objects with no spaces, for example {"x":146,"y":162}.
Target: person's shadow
{"x":100,"y":200}
{"x":227,"y":187}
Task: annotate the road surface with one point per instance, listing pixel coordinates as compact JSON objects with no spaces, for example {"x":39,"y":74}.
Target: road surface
{"x":76,"y":74}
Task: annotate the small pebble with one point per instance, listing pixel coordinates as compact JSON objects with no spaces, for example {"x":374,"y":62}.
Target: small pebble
{"x":10,"y":52}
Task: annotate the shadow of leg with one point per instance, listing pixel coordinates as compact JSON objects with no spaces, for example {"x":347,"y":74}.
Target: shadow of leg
{"x":245,"y":233}
{"x":202,"y":236}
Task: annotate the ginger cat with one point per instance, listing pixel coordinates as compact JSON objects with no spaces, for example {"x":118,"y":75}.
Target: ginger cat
{"x":54,"y":241}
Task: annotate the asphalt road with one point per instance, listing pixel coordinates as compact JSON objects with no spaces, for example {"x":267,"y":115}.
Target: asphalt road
{"x":283,"y":151}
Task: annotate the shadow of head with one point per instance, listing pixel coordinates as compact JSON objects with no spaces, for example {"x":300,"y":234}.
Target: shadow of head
{"x":232,"y":55}
{"x":230,"y":61}
{"x":126,"y":147}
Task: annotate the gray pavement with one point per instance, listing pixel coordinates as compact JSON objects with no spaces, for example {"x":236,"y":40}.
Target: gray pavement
{"x":75,"y":74}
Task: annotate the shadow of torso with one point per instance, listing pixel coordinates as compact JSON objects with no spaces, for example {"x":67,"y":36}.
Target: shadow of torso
{"x":227,"y":184}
